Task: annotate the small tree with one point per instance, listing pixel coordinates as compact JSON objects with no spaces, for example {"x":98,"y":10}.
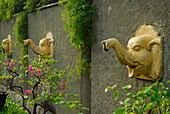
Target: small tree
{"x":43,"y":77}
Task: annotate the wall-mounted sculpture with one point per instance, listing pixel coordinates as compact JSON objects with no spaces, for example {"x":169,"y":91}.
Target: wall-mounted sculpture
{"x":46,"y":46}
{"x":144,"y":55}
{"x":7,"y":46}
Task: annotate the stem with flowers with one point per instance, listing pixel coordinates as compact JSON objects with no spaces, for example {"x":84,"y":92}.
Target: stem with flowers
{"x":42,"y":78}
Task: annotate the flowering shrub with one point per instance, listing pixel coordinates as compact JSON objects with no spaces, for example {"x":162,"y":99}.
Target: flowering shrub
{"x":42,"y":78}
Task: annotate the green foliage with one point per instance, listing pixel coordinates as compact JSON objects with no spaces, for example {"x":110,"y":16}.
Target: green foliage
{"x":10,"y":7}
{"x":21,"y":33}
{"x":11,"y":108}
{"x":43,"y":74}
{"x":153,"y":99}
{"x":78,"y":15}
{"x":21,"y":27}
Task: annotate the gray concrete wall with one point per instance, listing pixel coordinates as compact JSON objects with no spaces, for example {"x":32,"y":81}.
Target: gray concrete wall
{"x":6,"y":28}
{"x":49,"y":20}
{"x":39,"y":24}
{"x":120,"y":19}
{"x":116,"y":18}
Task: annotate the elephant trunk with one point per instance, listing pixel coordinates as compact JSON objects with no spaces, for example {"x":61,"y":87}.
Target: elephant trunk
{"x":123,"y":55}
{"x":35,"y":48}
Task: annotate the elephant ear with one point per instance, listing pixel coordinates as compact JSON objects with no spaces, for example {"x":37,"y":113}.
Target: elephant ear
{"x":155,"y":48}
{"x":51,"y":43}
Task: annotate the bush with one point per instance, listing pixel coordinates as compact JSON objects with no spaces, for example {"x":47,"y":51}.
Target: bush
{"x":151,"y":100}
{"x":12,"y":108}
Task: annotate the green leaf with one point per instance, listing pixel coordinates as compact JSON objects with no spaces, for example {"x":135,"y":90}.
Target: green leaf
{"x":113,"y":87}
{"x":79,"y":113}
{"x":164,"y":93}
{"x":136,"y":110}
{"x":128,"y":99}
{"x":116,"y":94}
{"x":158,"y":103}
{"x":168,"y":94}
{"x":155,"y":84}
{"x":121,"y":103}
{"x":126,"y":87}
{"x":135,"y":97}
{"x":120,"y":111}
{"x":155,"y":89}
{"x":157,"y":96}
{"x":129,"y":94}
{"x":148,"y":93}
{"x":106,"y":90}
{"x":153,"y":99}
{"x":168,"y":82}
{"x":127,"y":104}
{"x":140,"y":93}
{"x":84,"y":108}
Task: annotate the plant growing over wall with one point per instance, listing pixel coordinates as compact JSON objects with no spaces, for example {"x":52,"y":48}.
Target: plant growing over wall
{"x":9,"y":9}
{"x":78,"y":15}
{"x":151,"y":100}
{"x":21,"y":33}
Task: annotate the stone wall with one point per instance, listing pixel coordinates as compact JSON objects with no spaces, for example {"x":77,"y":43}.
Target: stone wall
{"x":39,"y":24}
{"x":49,"y":20}
{"x":121,"y":19}
{"x":116,"y":18}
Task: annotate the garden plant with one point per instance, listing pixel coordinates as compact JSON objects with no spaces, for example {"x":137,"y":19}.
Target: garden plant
{"x":150,"y":100}
{"x":44,"y":83}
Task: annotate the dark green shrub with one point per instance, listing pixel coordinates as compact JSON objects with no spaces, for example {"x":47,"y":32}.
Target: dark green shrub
{"x":12,"y":108}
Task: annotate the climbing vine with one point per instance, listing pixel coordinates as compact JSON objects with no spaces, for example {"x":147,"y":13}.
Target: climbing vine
{"x":21,"y":33}
{"x":9,"y":9}
{"x":78,"y":16}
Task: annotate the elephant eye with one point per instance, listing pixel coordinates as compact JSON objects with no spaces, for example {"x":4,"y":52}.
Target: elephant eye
{"x":42,"y":44}
{"x":136,"y":48}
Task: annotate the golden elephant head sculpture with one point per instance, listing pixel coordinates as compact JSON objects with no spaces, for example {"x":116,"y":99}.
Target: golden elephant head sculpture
{"x":46,"y":46}
{"x":7,"y":46}
{"x":143,"y":56}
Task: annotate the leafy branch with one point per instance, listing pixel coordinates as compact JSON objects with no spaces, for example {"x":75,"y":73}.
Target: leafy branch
{"x":152,"y":99}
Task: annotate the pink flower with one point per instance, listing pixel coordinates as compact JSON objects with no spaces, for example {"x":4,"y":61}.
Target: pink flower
{"x":60,"y":88}
{"x":0,"y":79}
{"x":62,"y":82}
{"x":65,"y":83}
{"x":64,"y":88}
{"x":30,"y":68}
{"x":39,"y":72}
{"x":32,"y":72}
{"x":12,"y":64}
{"x":7,"y":61}
{"x":27,"y":91}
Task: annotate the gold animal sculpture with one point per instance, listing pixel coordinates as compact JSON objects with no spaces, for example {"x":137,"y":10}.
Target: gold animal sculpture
{"x":144,"y":55}
{"x":7,"y":47}
{"x":46,"y":46}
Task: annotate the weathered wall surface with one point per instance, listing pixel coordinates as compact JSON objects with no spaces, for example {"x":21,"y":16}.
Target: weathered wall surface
{"x":6,"y":28}
{"x":120,"y":19}
{"x":116,"y":18}
{"x":49,"y":20}
{"x":39,"y":24}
